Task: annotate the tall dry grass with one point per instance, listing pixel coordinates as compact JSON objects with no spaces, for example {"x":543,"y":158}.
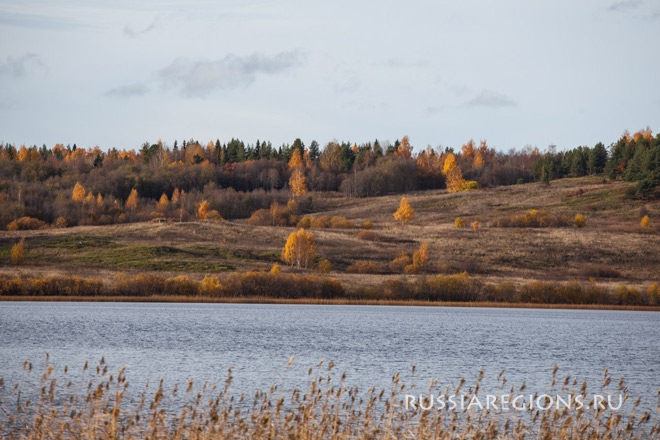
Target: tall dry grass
{"x":327,"y":408}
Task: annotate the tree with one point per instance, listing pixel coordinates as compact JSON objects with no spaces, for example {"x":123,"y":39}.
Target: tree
{"x":597,"y":158}
{"x":132,"y":200}
{"x":421,"y":256}
{"x":78,"y":194}
{"x":203,"y":211}
{"x":475,"y":225}
{"x":18,"y":252}
{"x":453,"y":174}
{"x":297,"y":183}
{"x":299,"y":249}
{"x":404,"y":150}
{"x":644,"y":223}
{"x":405,"y":213}
{"x":580,"y":221}
{"x":163,"y":203}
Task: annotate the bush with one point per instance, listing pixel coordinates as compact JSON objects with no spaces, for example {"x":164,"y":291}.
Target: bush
{"x":367,"y":235}
{"x":25,"y":224}
{"x":399,"y":264}
{"x":644,"y":223}
{"x":339,"y":222}
{"x":210,"y":286}
{"x":459,"y":223}
{"x":18,"y":252}
{"x":411,"y":269}
{"x":367,"y":225}
{"x":362,"y":267}
{"x":281,"y":286}
{"x":325,"y":266}
{"x":580,"y":221}
{"x":532,"y":219}
{"x":139,"y":285}
{"x":180,"y":286}
{"x":61,"y":222}
{"x":469,"y":185}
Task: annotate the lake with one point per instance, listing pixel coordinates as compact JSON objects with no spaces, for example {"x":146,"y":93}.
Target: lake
{"x":369,"y":343}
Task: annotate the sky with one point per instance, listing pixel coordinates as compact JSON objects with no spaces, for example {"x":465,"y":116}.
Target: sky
{"x":513,"y":72}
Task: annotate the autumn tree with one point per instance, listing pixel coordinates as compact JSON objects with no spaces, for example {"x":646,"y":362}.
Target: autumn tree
{"x":18,"y":252}
{"x":421,"y":256}
{"x":299,"y":249}
{"x":644,"y":223}
{"x":203,"y":211}
{"x":132,"y":200}
{"x":580,"y":221}
{"x":163,"y":203}
{"x":297,"y":180}
{"x":78,"y":194}
{"x":405,"y":213}
{"x":404,"y":150}
{"x":453,"y":174}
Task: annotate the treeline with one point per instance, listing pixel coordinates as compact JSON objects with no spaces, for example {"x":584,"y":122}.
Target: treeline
{"x":634,"y":158}
{"x":237,"y":178}
{"x":273,"y":284}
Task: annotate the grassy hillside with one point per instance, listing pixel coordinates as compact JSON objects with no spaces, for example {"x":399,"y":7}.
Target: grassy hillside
{"x":612,"y":248}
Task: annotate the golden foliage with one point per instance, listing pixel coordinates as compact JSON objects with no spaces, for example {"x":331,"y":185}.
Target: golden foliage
{"x":411,"y":269}
{"x":405,"y":213}
{"x":459,"y":222}
{"x":275,"y":270}
{"x":203,"y":210}
{"x":367,"y":225}
{"x":61,"y":222}
{"x":475,"y":225}
{"x":296,"y":160}
{"x":644,"y":223}
{"x":404,"y":151}
{"x":400,"y":263}
{"x":423,"y":254}
{"x":453,"y":174}
{"x":580,"y":221}
{"x":367,"y":235}
{"x":175,"y":196}
{"x":26,"y":224}
{"x":18,"y":252}
{"x":297,"y":182}
{"x":132,"y":200}
{"x":299,"y":249}
{"x":163,"y":203}
{"x":78,"y":194}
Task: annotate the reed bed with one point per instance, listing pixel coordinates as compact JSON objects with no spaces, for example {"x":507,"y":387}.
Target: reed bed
{"x":101,"y":407}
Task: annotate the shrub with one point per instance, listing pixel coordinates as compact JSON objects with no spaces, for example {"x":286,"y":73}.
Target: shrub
{"x":367,"y":235}
{"x":399,"y":263}
{"x":275,"y":270}
{"x":362,"y":267}
{"x":25,"y":224}
{"x":281,"y":286}
{"x":580,"y":221}
{"x":469,"y":185}
{"x":600,"y":271}
{"x":180,"y":286}
{"x":139,"y":285}
{"x":627,"y":296}
{"x":459,"y":223}
{"x":475,"y":226}
{"x":305,"y":222}
{"x":339,"y":222}
{"x":61,"y":222}
{"x":322,"y":222}
{"x":210,"y":286}
{"x":18,"y":252}
{"x":532,"y":219}
{"x":411,"y":269}
{"x":367,"y":225}
{"x":325,"y":266}
{"x":653,"y":293}
{"x":644,"y":223}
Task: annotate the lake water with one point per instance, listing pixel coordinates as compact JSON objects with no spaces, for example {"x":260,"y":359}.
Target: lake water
{"x":371,"y":344}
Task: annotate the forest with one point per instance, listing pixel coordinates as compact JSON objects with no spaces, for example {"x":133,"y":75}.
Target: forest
{"x":64,"y":186}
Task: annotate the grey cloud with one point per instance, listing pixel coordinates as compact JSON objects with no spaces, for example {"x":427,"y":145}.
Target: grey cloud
{"x":132,"y":33}
{"x":200,"y":78}
{"x":488,"y":98}
{"x":38,"y":21}
{"x":128,"y":91}
{"x":19,"y":67}
{"x":624,"y":5}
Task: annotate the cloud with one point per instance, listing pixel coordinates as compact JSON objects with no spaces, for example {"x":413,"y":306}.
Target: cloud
{"x":200,"y":78}
{"x":128,"y":91}
{"x":488,"y":98}
{"x":19,"y":67}
{"x":39,"y":21}
{"x":350,"y":85}
{"x":624,"y":5}
{"x":132,"y":33}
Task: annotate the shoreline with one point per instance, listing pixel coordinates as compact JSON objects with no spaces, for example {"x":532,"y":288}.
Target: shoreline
{"x":318,"y":301}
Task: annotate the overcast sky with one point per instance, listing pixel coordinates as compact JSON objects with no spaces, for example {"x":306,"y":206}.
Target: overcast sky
{"x":514,"y":72}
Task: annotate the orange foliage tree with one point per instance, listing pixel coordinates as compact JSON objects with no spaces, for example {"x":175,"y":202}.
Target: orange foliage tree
{"x":297,"y":180}
{"x":452,"y":173}
{"x":405,"y":213}
{"x":78,"y":194}
{"x":299,"y":249}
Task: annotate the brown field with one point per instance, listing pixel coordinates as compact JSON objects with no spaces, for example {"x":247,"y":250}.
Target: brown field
{"x":613,"y":248}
